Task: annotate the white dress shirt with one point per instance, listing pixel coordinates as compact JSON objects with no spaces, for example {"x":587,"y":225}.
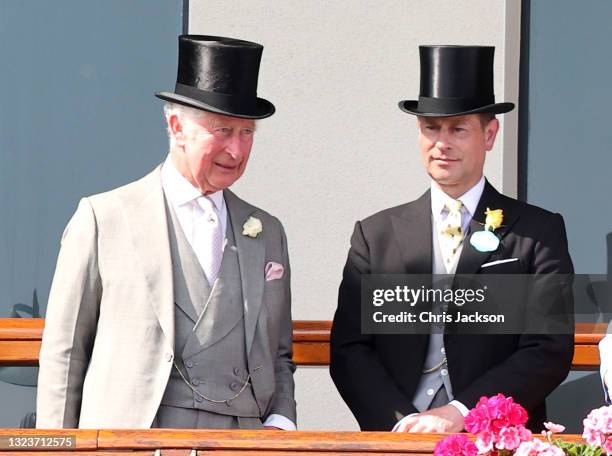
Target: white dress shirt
{"x":182,"y":196}
{"x":470,"y":200}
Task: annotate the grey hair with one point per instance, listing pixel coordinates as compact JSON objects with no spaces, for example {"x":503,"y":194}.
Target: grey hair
{"x":181,"y":111}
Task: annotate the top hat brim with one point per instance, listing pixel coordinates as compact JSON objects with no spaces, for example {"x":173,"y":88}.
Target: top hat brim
{"x":260,"y":109}
{"x":411,"y":107}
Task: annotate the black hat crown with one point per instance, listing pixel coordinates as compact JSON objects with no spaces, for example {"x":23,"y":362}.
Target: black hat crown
{"x":455,"y":80}
{"x":219,"y":75}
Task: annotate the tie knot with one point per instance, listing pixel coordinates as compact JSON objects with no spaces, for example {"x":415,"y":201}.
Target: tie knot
{"x":454,"y":206}
{"x":206,"y":204}
{"x":452,"y":223}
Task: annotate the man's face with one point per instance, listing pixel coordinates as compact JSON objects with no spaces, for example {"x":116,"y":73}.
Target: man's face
{"x":453,"y":150}
{"x":212,"y":152}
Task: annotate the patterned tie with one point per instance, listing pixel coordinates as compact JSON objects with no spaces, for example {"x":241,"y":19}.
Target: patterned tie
{"x":451,"y":234}
{"x":208,"y":238}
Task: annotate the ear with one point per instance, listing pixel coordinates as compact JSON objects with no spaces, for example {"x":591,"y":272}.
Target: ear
{"x":176,"y":129}
{"x":491,"y":133}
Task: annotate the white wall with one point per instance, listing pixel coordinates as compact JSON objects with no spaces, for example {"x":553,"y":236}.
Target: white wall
{"x":339,"y":149}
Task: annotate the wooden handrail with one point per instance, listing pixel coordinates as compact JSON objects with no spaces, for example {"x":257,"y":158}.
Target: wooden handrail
{"x":20,"y":342}
{"x":272,"y":443}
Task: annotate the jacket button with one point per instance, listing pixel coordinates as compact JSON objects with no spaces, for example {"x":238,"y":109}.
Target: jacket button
{"x":195,"y":382}
{"x":168,"y":357}
{"x":234,"y":386}
{"x":189,"y":364}
{"x":198,"y":398}
{"x":236,"y":371}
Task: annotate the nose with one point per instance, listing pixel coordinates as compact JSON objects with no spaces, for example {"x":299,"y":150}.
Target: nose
{"x":443,"y":140}
{"x":234,"y":147}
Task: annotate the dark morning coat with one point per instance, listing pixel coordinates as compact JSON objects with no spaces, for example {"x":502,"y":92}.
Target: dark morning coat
{"x":377,"y":375}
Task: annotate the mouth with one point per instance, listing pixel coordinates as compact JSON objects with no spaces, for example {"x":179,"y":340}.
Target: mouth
{"x":444,"y":160}
{"x":226,"y":166}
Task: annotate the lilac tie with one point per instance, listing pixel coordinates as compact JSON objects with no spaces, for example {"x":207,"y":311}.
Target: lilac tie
{"x":208,"y":238}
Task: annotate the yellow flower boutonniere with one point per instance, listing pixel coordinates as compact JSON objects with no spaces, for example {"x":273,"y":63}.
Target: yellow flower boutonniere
{"x":494,"y":220}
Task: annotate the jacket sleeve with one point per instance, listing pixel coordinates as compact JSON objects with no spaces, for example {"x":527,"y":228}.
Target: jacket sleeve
{"x":361,"y":378}
{"x":70,"y":324}
{"x":283,"y":402}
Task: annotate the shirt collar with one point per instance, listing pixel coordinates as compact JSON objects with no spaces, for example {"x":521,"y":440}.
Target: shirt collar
{"x":180,"y":191}
{"x":470,"y":199}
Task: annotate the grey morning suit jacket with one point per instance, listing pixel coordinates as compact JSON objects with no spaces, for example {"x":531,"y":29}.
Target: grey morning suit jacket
{"x":108,"y":344}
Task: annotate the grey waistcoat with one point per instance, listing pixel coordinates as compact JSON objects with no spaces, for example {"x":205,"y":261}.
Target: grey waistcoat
{"x":210,"y":346}
{"x":432,"y":382}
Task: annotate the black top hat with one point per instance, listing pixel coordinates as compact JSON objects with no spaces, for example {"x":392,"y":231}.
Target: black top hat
{"x":455,"y":80}
{"x":219,"y":75}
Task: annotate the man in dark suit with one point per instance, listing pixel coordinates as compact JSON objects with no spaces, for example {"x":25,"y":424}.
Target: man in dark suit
{"x":427,"y":382}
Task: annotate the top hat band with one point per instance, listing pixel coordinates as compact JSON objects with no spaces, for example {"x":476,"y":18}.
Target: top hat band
{"x":448,"y":104}
{"x":229,"y":102}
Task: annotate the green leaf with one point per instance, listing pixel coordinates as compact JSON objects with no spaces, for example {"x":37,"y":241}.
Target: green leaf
{"x":578,"y":449}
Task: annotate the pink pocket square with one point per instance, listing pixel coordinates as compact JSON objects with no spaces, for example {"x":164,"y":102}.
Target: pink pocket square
{"x":274,"y":271}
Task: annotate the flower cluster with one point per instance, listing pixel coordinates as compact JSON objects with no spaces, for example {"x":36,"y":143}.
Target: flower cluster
{"x":537,"y":447}
{"x":458,"y":444}
{"x":498,"y":423}
{"x":598,"y":428}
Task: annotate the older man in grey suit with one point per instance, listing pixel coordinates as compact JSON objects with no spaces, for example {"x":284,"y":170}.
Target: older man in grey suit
{"x":170,"y":304}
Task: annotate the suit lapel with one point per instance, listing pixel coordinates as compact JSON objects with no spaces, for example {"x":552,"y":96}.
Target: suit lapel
{"x":146,"y":218}
{"x":251,"y":257}
{"x":471,"y":259}
{"x":412,"y":232}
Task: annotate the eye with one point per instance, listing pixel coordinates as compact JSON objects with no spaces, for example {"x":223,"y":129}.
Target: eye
{"x":223,"y":130}
{"x":460,"y":129}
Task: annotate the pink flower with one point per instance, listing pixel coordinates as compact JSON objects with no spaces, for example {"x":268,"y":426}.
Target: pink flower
{"x":495,"y":413}
{"x":508,"y":439}
{"x":525,"y":434}
{"x":598,"y":428}
{"x":498,"y":424}
{"x":484,"y":442}
{"x":593,"y":437}
{"x":478,"y":420}
{"x":511,"y":437}
{"x":554,"y":428}
{"x":536,"y":447}
{"x":517,"y":415}
{"x":455,"y":445}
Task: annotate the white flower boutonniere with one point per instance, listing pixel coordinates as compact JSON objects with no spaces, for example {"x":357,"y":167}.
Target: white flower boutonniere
{"x":252,"y":227}
{"x":486,"y":240}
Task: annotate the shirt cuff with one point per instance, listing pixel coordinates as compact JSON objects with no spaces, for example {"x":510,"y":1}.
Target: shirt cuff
{"x":280,"y":422}
{"x":459,"y":406}
{"x":399,"y":423}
